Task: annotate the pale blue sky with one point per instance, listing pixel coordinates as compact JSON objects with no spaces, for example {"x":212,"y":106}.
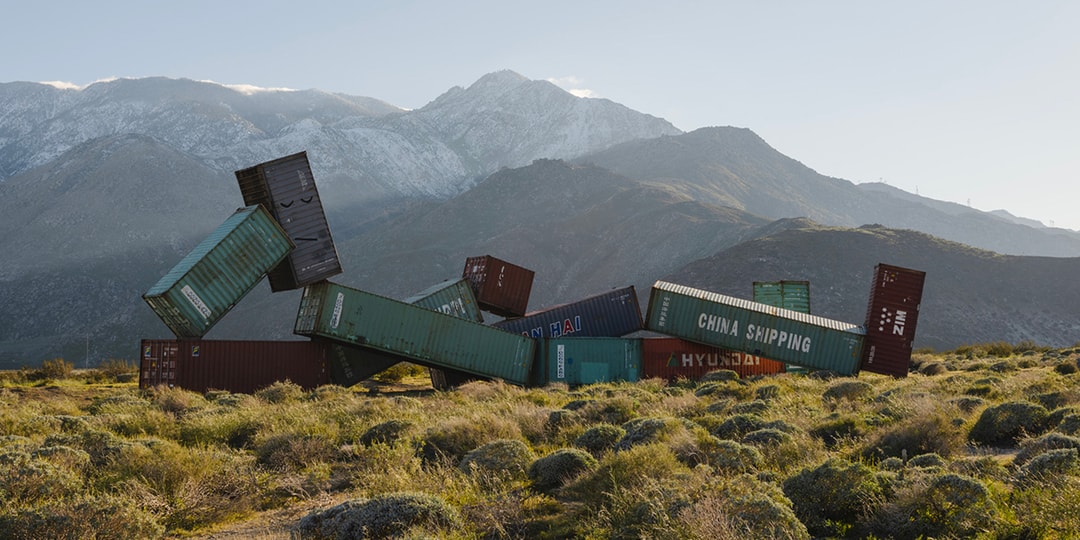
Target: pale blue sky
{"x":963,"y":101}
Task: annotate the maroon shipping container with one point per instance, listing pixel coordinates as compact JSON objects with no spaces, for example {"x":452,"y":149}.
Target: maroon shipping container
{"x":891,"y":317}
{"x":236,"y":366}
{"x":501,"y":288}
{"x":674,"y":358}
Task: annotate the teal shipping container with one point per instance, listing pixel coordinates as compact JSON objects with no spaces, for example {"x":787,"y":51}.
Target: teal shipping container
{"x":751,"y":327}
{"x":416,"y":334}
{"x":218,"y":272}
{"x":793,"y":295}
{"x":588,"y":360}
{"x":452,"y":297}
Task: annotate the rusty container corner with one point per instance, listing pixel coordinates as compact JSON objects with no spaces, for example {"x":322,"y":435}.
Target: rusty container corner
{"x":286,"y":187}
{"x":218,"y":272}
{"x":612,"y":314}
{"x":673,"y":359}
{"x":750,"y":327}
{"x":501,"y":288}
{"x":235,"y":366}
{"x":891,"y":317}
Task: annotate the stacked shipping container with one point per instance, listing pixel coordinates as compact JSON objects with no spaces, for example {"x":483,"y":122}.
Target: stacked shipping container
{"x":236,"y":366}
{"x":891,"y":316}
{"x":500,"y":287}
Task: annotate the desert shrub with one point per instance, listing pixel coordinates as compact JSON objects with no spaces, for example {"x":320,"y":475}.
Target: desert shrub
{"x":767,"y":392}
{"x":599,"y":438}
{"x":743,"y":508}
{"x":398,"y":372}
{"x":848,"y":390}
{"x":281,"y":392}
{"x":453,"y":438}
{"x":1029,"y":448}
{"x":507,"y":458}
{"x":767,"y":437}
{"x":25,"y":481}
{"x":926,"y":461}
{"x":632,"y":469}
{"x":117,"y":404}
{"x":57,"y":368}
{"x":736,"y":426}
{"x":1066,"y":368}
{"x":288,"y":452}
{"x":646,"y":430}
{"x":561,"y":418}
{"x":986,"y":467}
{"x":236,"y":429}
{"x":101,"y":446}
{"x":1055,"y":400}
{"x":176,"y":400}
{"x":555,"y":469}
{"x":750,"y":407}
{"x":933,"y":368}
{"x":385,"y":516}
{"x":1006,"y":423}
{"x":968,"y":404}
{"x":945,"y":506}
{"x":388,"y":432}
{"x":932,"y":431}
{"x":84,"y":517}
{"x":1070,"y":424}
{"x":720,"y":375}
{"x":732,"y":457}
{"x":833,"y":496}
{"x":72,"y":459}
{"x":614,"y":410}
{"x":838,"y":429}
{"x":1050,"y":467}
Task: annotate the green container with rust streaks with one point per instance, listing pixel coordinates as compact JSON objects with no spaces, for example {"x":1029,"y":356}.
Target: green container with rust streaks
{"x":218,"y":272}
{"x":588,"y":360}
{"x":751,"y":327}
{"x":417,"y":334}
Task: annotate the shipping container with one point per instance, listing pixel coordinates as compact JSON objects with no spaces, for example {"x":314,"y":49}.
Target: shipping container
{"x":218,"y":272}
{"x":891,"y":316}
{"x":751,"y":327}
{"x":452,"y":298}
{"x":287,"y":188}
{"x":611,"y":314}
{"x":236,"y":366}
{"x":673,"y":358}
{"x":422,"y":336}
{"x":588,"y":360}
{"x":793,"y":295}
{"x":500,"y":287}
{"x":350,"y":365}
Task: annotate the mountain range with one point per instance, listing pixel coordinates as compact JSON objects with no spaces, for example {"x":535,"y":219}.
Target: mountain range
{"x":104,"y":189}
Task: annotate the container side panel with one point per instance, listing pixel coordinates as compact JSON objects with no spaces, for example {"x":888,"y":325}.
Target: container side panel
{"x":350,"y":364}
{"x":500,"y":287}
{"x":589,"y":360}
{"x":454,"y":298}
{"x":674,"y":358}
{"x":235,"y":366}
{"x":754,"y":328}
{"x":286,"y":186}
{"x":891,"y":318}
{"x":423,"y":336}
{"x":612,"y":314}
{"x":793,"y":295}
{"x":218,"y":272}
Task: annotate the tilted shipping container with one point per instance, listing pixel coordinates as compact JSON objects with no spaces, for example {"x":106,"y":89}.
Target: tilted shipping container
{"x":755,"y":328}
{"x":500,"y":287}
{"x":286,"y":187}
{"x":588,"y":360}
{"x":350,"y":365}
{"x":218,"y":272}
{"x":236,"y":366}
{"x":422,"y":336}
{"x":793,"y":295}
{"x":673,"y":358}
{"x":611,"y":314}
{"x":891,"y":317}
{"x":452,"y":298}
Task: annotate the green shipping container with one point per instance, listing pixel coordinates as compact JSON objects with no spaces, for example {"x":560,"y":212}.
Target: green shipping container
{"x":450,"y":297}
{"x":793,"y":295}
{"x":587,"y":360}
{"x":751,"y":327}
{"x":417,"y":334}
{"x":218,"y":272}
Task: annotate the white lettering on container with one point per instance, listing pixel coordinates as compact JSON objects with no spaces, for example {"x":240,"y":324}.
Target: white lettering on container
{"x":197,"y":302}
{"x":339,"y":304}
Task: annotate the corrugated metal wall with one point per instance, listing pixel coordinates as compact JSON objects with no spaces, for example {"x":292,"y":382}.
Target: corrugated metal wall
{"x":588,"y":360}
{"x":611,"y":314}
{"x":673,"y":358}
{"x":235,"y":366}
{"x":891,"y":318}
{"x":501,"y":288}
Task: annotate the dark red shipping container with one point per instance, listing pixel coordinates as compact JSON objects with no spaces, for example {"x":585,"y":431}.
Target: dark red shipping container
{"x":674,"y":358}
{"x":501,"y":288}
{"x":236,"y":366}
{"x":891,"y":317}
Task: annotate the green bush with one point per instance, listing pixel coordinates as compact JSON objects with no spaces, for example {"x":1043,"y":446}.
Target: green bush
{"x":1070,"y":424}
{"x":85,"y":517}
{"x":291,"y":452}
{"x":647,"y":430}
{"x":386,"y":516}
{"x":848,"y":390}
{"x":737,"y":426}
{"x":451,"y":439}
{"x":926,"y":461}
{"x":720,"y":375}
{"x":507,"y":458}
{"x":1030,"y":448}
{"x":732,"y":457}
{"x":767,"y":437}
{"x":555,"y":469}
{"x":932,"y":431}
{"x":281,"y":392}
{"x":743,"y":508}
{"x":1050,"y":468}
{"x":1007,"y":423}
{"x":838,"y":429}
{"x":834,"y":496}
{"x":57,"y":368}
{"x":388,"y":432}
{"x":600,"y":438}
{"x":948,"y":506}
{"x":757,"y":406}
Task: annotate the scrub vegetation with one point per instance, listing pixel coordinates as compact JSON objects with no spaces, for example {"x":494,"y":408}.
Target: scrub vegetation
{"x":984,"y":444}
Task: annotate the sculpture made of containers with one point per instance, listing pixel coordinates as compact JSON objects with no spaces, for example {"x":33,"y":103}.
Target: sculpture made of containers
{"x":891,"y":317}
{"x":611,"y":314}
{"x":235,"y":366}
{"x":500,"y":287}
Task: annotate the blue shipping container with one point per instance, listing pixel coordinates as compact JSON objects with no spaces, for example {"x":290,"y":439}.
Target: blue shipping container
{"x":611,"y":314}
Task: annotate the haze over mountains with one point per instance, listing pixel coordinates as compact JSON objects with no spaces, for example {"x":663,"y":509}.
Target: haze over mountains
{"x":104,"y":189}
